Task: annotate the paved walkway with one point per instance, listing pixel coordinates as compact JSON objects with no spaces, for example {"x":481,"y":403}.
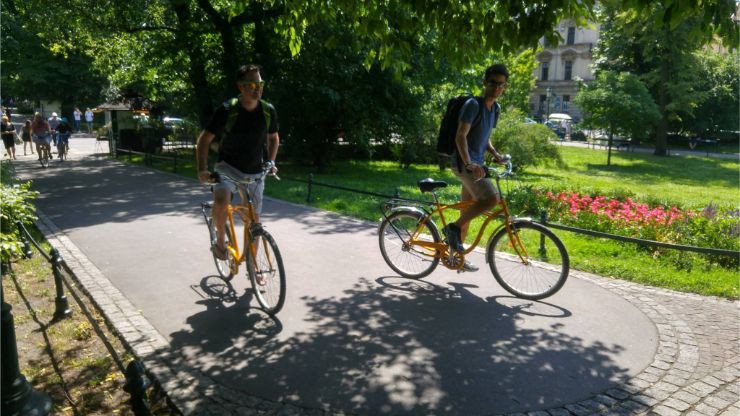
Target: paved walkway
{"x":701,"y":152}
{"x":353,"y":338}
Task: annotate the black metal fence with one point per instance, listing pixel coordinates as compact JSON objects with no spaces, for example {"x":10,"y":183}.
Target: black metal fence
{"x":136,"y":379}
{"x":311,"y":183}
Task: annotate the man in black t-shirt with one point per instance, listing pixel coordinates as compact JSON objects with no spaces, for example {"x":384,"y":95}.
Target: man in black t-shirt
{"x":241,"y":150}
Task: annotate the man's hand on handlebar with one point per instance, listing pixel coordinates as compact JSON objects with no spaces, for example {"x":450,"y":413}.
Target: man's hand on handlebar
{"x":501,"y":159}
{"x":478,"y":171}
{"x":205,"y":176}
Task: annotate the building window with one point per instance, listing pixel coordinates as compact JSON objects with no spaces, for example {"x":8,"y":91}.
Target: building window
{"x":568,"y":70}
{"x":566,"y":103}
{"x":571,"y":36}
{"x":543,"y":100}
{"x":545,"y":70}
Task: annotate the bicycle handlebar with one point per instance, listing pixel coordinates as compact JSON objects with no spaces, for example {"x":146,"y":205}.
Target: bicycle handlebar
{"x":494,"y":172}
{"x":266,"y":171}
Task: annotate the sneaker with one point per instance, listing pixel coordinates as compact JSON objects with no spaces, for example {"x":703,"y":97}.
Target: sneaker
{"x":469,"y":267}
{"x":260,"y":278}
{"x":220,"y":253}
{"x":453,"y":237}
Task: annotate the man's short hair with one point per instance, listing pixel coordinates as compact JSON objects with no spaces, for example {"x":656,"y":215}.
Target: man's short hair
{"x":241,"y":73}
{"x":497,"y":69}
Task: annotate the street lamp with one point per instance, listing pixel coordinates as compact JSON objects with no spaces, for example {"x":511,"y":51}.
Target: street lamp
{"x":548,"y":93}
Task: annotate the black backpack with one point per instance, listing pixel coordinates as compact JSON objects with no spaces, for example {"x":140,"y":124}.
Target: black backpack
{"x":448,"y":127}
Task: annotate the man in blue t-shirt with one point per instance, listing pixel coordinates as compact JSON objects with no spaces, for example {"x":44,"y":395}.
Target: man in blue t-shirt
{"x":472,"y":142}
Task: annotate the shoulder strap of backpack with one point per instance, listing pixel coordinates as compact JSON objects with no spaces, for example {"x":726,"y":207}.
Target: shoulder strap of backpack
{"x":266,"y":107}
{"x":479,"y":115}
{"x":233,"y":106}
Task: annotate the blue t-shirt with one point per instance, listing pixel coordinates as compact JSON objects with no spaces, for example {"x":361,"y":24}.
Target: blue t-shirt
{"x":479,"y":134}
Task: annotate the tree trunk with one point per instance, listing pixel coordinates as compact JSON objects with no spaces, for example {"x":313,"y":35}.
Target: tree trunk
{"x":197,"y":72}
{"x":661,"y":132}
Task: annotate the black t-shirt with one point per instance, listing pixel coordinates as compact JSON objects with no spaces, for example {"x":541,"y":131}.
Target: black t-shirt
{"x":243,"y":147}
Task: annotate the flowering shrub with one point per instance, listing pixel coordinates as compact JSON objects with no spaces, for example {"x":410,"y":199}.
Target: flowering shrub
{"x":710,"y":227}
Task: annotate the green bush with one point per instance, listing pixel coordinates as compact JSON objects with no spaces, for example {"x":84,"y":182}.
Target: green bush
{"x":528,"y":144}
{"x":15,"y":205}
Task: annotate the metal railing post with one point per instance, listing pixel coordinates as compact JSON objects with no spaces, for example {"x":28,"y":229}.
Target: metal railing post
{"x":310,"y":183}
{"x":136,"y":384}
{"x":61,"y":303}
{"x":18,"y":397}
{"x":27,"y":252}
{"x":543,"y":221}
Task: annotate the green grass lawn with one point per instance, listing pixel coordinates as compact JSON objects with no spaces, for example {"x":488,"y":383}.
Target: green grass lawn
{"x":691,"y":182}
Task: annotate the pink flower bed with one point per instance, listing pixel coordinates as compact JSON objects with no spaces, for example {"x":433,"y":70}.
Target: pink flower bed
{"x":627,"y":212}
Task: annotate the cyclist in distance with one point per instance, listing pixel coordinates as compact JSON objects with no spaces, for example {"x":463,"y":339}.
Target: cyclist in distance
{"x":471,"y":144}
{"x":42,"y":135}
{"x":242,"y":124}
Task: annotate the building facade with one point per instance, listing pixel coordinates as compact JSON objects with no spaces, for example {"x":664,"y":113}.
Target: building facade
{"x":560,"y":69}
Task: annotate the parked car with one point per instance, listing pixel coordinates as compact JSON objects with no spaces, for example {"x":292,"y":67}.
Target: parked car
{"x":172,"y":122}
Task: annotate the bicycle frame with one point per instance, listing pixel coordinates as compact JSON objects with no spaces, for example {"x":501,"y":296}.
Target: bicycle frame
{"x":245,"y":211}
{"x":500,"y":210}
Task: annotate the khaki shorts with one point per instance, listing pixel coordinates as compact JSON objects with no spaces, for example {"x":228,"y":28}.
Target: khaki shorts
{"x":481,"y":189}
{"x":255,"y":189}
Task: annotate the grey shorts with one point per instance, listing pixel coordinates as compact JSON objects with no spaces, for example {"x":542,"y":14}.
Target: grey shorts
{"x":255,"y":189}
{"x":481,"y":189}
{"x":46,"y":139}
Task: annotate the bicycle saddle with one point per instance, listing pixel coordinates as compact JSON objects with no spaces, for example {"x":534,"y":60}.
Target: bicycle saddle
{"x":429,"y":184}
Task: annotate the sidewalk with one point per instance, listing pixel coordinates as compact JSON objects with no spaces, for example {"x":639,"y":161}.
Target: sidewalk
{"x":354,"y":338}
{"x":650,"y":150}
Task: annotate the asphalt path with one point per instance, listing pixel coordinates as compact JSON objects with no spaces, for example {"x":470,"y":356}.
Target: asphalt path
{"x":352,"y":334}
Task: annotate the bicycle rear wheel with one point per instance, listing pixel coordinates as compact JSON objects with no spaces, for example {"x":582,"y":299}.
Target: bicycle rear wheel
{"x":266,"y":273}
{"x":61,"y":150}
{"x":532,"y":263}
{"x":408,"y":260}
{"x":226,"y":267}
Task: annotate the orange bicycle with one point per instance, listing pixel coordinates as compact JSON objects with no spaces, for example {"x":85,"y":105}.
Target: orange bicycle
{"x":526,"y":258}
{"x":260,"y":251}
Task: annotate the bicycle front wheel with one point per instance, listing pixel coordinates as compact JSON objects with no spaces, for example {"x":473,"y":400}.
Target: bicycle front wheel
{"x":226,"y":267}
{"x":266,"y":272}
{"x":530,"y":263}
{"x":397,"y":234}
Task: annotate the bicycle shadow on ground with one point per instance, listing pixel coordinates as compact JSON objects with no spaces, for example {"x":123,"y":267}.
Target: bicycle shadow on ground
{"x":229,"y":309}
{"x":397,"y":346}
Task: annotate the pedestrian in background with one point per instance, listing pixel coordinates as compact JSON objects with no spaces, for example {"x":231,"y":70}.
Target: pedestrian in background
{"x":7,"y":130}
{"x":77,"y":114}
{"x":26,"y":137}
{"x":89,"y":119}
{"x":54,"y":122}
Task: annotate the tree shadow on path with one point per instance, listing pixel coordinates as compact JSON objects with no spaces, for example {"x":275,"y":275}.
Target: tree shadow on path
{"x":393,"y":345}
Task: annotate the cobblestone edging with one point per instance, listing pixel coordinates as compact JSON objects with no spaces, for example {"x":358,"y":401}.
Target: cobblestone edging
{"x":696,"y":370}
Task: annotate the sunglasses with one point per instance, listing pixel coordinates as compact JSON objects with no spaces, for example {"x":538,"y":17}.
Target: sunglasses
{"x":253,"y":85}
{"x":496,"y":84}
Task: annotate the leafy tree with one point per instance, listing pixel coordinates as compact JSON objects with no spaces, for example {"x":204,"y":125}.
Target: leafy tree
{"x":718,"y":78}
{"x":620,"y":103}
{"x":656,"y":40}
{"x":32,"y":68}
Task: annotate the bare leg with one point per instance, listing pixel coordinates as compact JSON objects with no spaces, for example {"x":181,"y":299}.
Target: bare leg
{"x":220,"y":204}
{"x":472,"y":212}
